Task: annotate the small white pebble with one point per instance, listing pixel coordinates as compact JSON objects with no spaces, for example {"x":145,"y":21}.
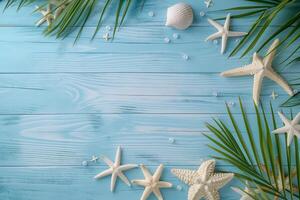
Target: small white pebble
{"x":84,"y":163}
{"x":108,"y":28}
{"x":202,"y":13}
{"x":151,"y":14}
{"x":216,"y":42}
{"x":231,"y":104}
{"x":216,"y":94}
{"x":167,"y":40}
{"x":176,"y":35}
{"x":295,"y":91}
{"x":179,"y":187}
{"x":185,"y":57}
{"x":237,"y":40}
{"x":172,"y":140}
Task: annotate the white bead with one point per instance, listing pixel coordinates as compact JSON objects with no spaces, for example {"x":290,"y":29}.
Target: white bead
{"x":202,"y":13}
{"x":179,"y":187}
{"x":176,"y":35}
{"x":151,"y":14}
{"x":185,"y":57}
{"x":84,"y":163}
{"x":172,"y":140}
{"x":167,"y":40}
{"x":108,"y":28}
{"x":216,"y":42}
{"x":295,"y":91}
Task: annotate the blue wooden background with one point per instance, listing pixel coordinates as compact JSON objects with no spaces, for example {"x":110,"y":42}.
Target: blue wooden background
{"x":60,"y":104}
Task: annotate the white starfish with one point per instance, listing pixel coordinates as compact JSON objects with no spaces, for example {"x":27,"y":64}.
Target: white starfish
{"x":260,"y":68}
{"x":106,"y":37}
{"x":274,"y":95}
{"x":47,"y":15}
{"x":208,"y":3}
{"x":204,"y":183}
{"x":291,"y":127}
{"x":152,"y":183}
{"x":244,"y":193}
{"x":223,"y":32}
{"x":115,"y":169}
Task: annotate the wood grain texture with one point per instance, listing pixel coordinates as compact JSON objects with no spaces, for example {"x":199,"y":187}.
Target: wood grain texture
{"x":60,"y":104}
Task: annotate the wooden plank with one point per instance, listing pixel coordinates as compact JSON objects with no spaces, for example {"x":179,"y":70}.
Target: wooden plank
{"x":48,"y":140}
{"x":127,"y":93}
{"x":135,"y":49}
{"x":138,"y":16}
{"x":77,"y":183}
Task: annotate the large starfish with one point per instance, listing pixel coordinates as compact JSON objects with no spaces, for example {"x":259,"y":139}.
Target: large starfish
{"x":47,"y":15}
{"x":260,"y":68}
{"x":223,"y":32}
{"x":291,"y":127}
{"x":115,"y":169}
{"x":152,"y":183}
{"x":204,"y":183}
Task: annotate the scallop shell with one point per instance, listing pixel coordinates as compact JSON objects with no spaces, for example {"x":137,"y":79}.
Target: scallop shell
{"x":180,"y":16}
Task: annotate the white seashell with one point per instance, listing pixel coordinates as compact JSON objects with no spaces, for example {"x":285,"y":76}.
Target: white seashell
{"x":180,"y":16}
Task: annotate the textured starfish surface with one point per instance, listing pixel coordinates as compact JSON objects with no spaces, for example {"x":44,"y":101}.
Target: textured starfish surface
{"x":115,"y":170}
{"x":223,"y":32}
{"x":260,"y":68}
{"x":291,"y":127}
{"x":47,"y":15}
{"x":204,"y":183}
{"x":151,"y":183}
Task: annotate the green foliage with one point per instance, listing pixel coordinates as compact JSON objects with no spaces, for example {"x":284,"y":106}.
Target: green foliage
{"x":76,"y":13}
{"x":261,"y":159}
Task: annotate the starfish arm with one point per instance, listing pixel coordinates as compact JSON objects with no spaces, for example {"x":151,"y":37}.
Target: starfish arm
{"x":290,"y":137}
{"x":158,"y":194}
{"x":124,"y":178}
{"x":236,"y":34}
{"x":258,"y":78}
{"x":214,"y":36}
{"x":140,"y":182}
{"x":218,"y":180}
{"x":285,"y":120}
{"x":212,"y":195}
{"x":107,"y":161}
{"x":240,"y":71}
{"x":215,"y":24}
{"x":184,"y":175}
{"x":104,"y":173}
{"x":224,"y":43}
{"x":296,"y":120}
{"x":41,"y":21}
{"x":271,"y":54}
{"x":146,"y":193}
{"x":196,"y":192}
{"x":227,"y":22}
{"x":49,"y":20}
{"x":118,"y":157}
{"x":164,"y":184}
{"x":113,"y":181}
{"x":238,"y":190}
{"x":158,"y":173}
{"x":146,"y":172}
{"x":206,"y":169}
{"x":281,"y":130}
{"x":271,"y":74}
{"x":127,"y":167}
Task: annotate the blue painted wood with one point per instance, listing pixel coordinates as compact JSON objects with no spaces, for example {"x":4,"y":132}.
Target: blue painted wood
{"x":60,"y":104}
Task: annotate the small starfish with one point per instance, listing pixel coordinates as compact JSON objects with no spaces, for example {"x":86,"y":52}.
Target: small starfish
{"x":260,"y":68}
{"x":244,"y":193}
{"x":204,"y":183}
{"x":94,"y":159}
{"x":208,"y":3}
{"x":274,"y":95}
{"x":115,"y":169}
{"x":47,"y":15}
{"x":291,"y":127}
{"x":106,"y":37}
{"x":152,"y":183}
{"x":223,"y":32}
